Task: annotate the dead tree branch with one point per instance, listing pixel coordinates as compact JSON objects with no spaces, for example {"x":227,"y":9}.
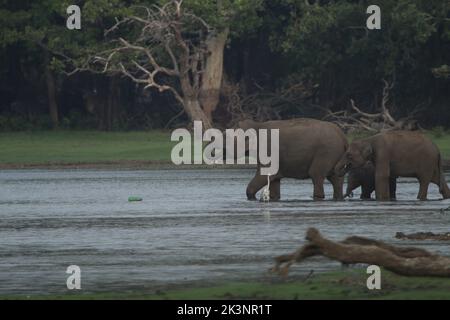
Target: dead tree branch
{"x":265,"y":105}
{"x":424,"y":236}
{"x":406,"y":261}
{"x":356,"y":119}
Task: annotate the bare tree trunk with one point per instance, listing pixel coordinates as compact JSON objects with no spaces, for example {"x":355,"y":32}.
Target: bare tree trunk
{"x":51,"y":91}
{"x":213,"y":73}
{"x":191,"y":102}
{"x":196,"y":113}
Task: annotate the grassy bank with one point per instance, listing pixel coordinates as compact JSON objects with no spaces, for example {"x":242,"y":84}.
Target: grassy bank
{"x":350,"y":284}
{"x":51,"y":147}
{"x":91,"y":147}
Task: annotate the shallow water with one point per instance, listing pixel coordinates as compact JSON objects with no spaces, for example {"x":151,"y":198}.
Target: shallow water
{"x":192,"y":226}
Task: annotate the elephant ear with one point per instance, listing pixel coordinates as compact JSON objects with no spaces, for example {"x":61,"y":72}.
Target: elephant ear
{"x":367,"y":152}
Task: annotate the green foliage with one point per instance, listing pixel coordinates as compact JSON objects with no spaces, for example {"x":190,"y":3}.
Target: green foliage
{"x":329,"y":44}
{"x":325,"y":44}
{"x":44,"y":23}
{"x":322,"y":36}
{"x":241,"y":16}
{"x":438,"y":132}
{"x":21,"y":123}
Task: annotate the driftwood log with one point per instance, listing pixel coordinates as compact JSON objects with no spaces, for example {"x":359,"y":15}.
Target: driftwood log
{"x":406,"y":261}
{"x":424,"y":236}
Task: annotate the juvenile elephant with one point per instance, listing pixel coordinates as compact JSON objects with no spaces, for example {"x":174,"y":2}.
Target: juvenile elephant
{"x":308,"y":148}
{"x":364,"y":177}
{"x":397,"y":154}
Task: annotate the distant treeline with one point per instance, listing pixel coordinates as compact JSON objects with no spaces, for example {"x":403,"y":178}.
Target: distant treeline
{"x":280,"y":58}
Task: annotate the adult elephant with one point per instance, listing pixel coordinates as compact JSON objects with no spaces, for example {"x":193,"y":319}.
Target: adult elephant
{"x":308,"y":148}
{"x":397,"y":154}
{"x":364,"y":177}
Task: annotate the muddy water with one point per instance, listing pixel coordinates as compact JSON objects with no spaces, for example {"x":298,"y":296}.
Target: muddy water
{"x":192,"y":226}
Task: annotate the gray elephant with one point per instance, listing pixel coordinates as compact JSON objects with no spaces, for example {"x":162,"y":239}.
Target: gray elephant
{"x":397,"y":154}
{"x":364,"y":177}
{"x":308,"y":148}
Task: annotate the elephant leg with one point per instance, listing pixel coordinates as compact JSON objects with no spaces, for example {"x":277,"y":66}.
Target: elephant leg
{"x":353,"y":182}
{"x":319,"y":193}
{"x":275,"y":190}
{"x":349,"y":191}
{"x":382,"y":182}
{"x":366,"y":191}
{"x":423,"y":190}
{"x":316,"y":172}
{"x":258,"y":182}
{"x":338,"y":183}
{"x":393,"y":188}
{"x":443,"y":188}
{"x":255,"y":185}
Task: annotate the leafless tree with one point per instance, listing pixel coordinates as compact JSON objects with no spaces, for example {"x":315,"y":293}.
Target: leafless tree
{"x":170,"y":49}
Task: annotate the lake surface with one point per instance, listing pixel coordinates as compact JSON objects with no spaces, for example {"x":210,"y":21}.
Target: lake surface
{"x":192,"y":226}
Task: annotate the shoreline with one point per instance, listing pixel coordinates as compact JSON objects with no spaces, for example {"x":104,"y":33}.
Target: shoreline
{"x":347,"y":284}
{"x":132,"y":165}
{"x":118,"y":165}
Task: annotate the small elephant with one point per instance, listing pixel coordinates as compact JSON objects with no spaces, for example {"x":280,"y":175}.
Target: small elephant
{"x":397,"y":154}
{"x":308,"y":148}
{"x":364,"y":177}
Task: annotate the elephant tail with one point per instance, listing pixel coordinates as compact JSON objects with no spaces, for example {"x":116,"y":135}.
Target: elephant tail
{"x":443,"y":187}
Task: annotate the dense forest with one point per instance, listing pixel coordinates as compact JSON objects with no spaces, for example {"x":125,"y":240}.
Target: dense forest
{"x":137,"y":65}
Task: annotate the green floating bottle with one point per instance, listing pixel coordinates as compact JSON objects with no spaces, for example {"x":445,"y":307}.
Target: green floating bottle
{"x":134,"y":199}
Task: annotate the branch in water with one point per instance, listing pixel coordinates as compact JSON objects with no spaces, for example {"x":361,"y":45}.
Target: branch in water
{"x":408,"y":261}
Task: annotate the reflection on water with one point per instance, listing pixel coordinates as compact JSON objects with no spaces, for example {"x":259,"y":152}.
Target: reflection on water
{"x":193,"y":225}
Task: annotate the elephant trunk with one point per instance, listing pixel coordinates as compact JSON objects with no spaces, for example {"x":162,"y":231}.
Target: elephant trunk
{"x":342,"y":167}
{"x":352,"y":184}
